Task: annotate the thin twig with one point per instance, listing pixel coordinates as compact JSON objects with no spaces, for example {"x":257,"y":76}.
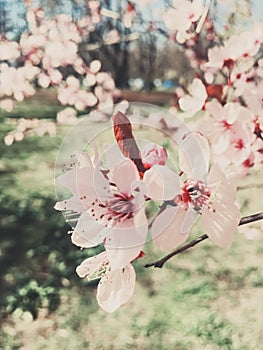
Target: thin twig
{"x":159,"y":263}
{"x":248,"y":187}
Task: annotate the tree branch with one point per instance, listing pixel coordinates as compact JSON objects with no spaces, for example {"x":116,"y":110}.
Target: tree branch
{"x":159,"y":263}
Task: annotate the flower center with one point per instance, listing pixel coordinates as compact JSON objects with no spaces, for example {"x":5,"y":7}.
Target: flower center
{"x":120,"y":207}
{"x":195,"y":193}
{"x":117,"y":208}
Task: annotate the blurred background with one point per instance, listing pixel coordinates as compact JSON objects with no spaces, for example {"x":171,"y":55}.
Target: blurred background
{"x":59,"y":60}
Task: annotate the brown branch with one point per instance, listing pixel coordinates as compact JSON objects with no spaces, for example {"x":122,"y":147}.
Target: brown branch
{"x":159,"y":263}
{"x":248,"y":187}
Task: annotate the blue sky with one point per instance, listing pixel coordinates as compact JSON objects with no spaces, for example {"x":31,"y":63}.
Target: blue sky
{"x":16,"y":9}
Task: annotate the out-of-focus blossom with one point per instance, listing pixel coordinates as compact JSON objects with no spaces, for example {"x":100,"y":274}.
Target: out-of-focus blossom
{"x":29,"y":127}
{"x":17,"y":81}
{"x":112,"y":37}
{"x":7,"y":104}
{"x":59,"y":54}
{"x":95,"y":66}
{"x":67,"y":116}
{"x":230,"y":131}
{"x":89,"y":80}
{"x":194,"y":102}
{"x":186,"y":13}
{"x":9,"y":139}
{"x":9,"y":50}
{"x":43,"y":80}
{"x":246,"y":44}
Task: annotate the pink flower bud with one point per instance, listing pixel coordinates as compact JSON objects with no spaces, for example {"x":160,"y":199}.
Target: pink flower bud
{"x":153,"y":154}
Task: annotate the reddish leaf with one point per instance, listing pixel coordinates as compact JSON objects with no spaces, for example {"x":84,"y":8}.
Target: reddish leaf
{"x":126,"y":141}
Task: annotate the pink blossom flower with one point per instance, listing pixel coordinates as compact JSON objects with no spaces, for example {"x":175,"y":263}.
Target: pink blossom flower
{"x":153,"y":154}
{"x":112,"y":207}
{"x":112,"y":214}
{"x":115,"y":287}
{"x":246,"y":44}
{"x":213,"y":199}
{"x":230,"y":131}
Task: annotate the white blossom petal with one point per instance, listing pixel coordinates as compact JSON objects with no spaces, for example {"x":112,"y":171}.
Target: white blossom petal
{"x":162,"y":183}
{"x":223,"y":189}
{"x":88,"y":232}
{"x":220,"y":222}
{"x":194,"y":102}
{"x":72,"y":203}
{"x":194,"y":154}
{"x":171,"y":228}
{"x":68,"y":180}
{"x":124,"y":174}
{"x":91,"y":266}
{"x":126,"y":240}
{"x":116,"y":288}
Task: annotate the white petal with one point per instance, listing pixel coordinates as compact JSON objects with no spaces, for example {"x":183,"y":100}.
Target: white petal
{"x":220,"y":223}
{"x":195,"y":102}
{"x":92,"y":265}
{"x":171,"y":228}
{"x":88,"y":232}
{"x":84,"y":160}
{"x":101,"y":185}
{"x":124,"y":174}
{"x":68,"y":180}
{"x":162,"y":183}
{"x":221,"y":187}
{"x":72,"y":203}
{"x":116,"y":288}
{"x":194,"y":154}
{"x":113,"y":156}
{"x":126,"y":240}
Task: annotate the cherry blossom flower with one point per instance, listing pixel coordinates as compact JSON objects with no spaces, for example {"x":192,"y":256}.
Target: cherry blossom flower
{"x":110,"y":214}
{"x":112,"y":206}
{"x":230,"y":131}
{"x":213,"y":199}
{"x":246,"y":44}
{"x":115,"y":287}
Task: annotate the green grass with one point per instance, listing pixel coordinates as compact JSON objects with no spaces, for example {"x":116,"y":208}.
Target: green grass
{"x":206,"y":298}
{"x":41,"y":105}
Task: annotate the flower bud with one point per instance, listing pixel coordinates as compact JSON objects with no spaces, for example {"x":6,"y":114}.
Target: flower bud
{"x":153,"y":154}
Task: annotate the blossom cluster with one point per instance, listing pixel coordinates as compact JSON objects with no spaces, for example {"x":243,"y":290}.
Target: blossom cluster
{"x":109,"y":206}
{"x":47,"y":55}
{"x":226,"y":95}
